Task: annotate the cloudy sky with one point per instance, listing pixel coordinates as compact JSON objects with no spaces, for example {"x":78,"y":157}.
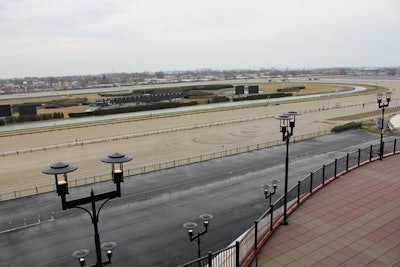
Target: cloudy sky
{"x":73,"y":37}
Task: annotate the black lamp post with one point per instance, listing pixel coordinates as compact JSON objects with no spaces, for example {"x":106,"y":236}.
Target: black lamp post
{"x":287,"y":123}
{"x":267,"y":190}
{"x":382,"y":106}
{"x":62,"y":190}
{"x":190,"y":226}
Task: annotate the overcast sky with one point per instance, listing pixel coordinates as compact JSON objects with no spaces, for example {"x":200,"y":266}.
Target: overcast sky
{"x":79,"y":37}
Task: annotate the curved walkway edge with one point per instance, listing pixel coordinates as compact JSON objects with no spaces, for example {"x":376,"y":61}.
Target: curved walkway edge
{"x":355,"y":221}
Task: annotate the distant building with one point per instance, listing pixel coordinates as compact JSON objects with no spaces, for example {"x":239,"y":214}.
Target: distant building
{"x":394,"y":123}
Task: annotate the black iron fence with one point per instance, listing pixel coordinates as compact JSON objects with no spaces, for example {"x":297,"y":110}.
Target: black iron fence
{"x":239,"y":253}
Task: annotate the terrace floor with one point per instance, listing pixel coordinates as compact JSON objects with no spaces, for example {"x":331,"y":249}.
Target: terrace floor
{"x":353,"y":221}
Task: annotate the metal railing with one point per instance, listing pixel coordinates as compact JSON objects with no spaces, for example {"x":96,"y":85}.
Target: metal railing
{"x":246,"y":246}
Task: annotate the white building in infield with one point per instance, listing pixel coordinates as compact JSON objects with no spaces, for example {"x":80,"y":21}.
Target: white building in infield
{"x":394,"y":123}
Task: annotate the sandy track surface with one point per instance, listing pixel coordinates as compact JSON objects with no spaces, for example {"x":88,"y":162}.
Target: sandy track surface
{"x":237,"y":128}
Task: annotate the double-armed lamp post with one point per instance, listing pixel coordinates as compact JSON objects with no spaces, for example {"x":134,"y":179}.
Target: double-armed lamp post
{"x":287,"y":123}
{"x":190,"y":226}
{"x":382,"y":106}
{"x":268,"y":192}
{"x":61,"y":168}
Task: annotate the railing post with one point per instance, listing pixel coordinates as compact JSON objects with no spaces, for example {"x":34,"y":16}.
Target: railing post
{"x":311,"y":181}
{"x":359,"y":157}
{"x":347,"y":162}
{"x":323,"y":174}
{"x":298,"y":191}
{"x":370,"y":153}
{"x":335,"y":168}
{"x":271,"y":223}
{"x":394,"y":146}
{"x":237,"y":254}
{"x":210,"y":259}
{"x":255,"y":234}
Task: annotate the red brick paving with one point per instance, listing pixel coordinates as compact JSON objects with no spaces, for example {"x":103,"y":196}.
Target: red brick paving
{"x":353,"y":221}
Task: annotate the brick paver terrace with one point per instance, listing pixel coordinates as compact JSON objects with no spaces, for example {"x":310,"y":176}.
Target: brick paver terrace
{"x":353,"y":221}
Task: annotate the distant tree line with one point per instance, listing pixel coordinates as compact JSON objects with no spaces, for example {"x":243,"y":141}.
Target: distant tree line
{"x":28,"y":118}
{"x":204,"y":87}
{"x":56,"y":103}
{"x":219,"y":99}
{"x":126,"y":109}
{"x":262,"y":96}
{"x":291,"y":89}
{"x":168,"y":90}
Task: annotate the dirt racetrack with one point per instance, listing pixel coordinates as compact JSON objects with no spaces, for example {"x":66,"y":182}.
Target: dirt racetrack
{"x":211,"y":132}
